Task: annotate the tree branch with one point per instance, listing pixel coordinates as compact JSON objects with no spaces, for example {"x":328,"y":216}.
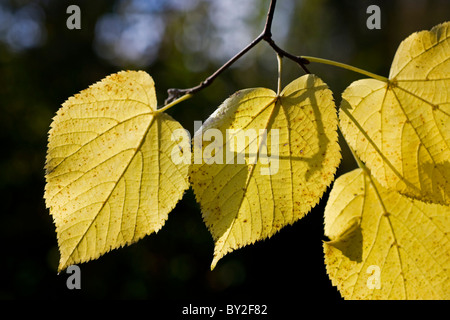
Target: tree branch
{"x":265,"y":35}
{"x":299,"y":60}
{"x":176,"y":93}
{"x":267,"y":32}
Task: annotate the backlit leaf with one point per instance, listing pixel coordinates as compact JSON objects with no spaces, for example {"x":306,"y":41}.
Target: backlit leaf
{"x":287,"y":161}
{"x":384,"y":245}
{"x":403,"y":130}
{"x":110,"y":177}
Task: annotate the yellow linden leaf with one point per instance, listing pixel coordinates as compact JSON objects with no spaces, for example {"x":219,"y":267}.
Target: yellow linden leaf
{"x":403,"y":130}
{"x":384,"y":245}
{"x":110,"y":177}
{"x":262,"y":161}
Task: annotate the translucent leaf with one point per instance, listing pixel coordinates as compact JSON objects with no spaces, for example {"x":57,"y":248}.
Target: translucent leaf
{"x":262,"y":162}
{"x":110,"y":177}
{"x":384,"y":245}
{"x":403,"y":130}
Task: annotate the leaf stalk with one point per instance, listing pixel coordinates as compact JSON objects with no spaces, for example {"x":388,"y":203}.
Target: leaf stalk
{"x":346,"y":66}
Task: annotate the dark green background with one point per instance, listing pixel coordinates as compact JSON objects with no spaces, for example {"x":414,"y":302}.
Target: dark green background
{"x":175,"y":262}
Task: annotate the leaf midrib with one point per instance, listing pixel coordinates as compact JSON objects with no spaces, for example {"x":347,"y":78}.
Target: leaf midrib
{"x":250,"y":174}
{"x":112,"y":190}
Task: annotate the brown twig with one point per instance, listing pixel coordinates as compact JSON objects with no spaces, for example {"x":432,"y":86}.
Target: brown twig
{"x":265,"y":35}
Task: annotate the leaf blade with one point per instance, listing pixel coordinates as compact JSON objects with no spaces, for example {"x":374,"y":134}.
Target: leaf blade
{"x":103,"y":159}
{"x":406,"y":239}
{"x":241,"y":202}
{"x":403,"y":130}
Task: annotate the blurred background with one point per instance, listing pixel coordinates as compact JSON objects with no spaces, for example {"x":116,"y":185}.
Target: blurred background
{"x":179,"y":43}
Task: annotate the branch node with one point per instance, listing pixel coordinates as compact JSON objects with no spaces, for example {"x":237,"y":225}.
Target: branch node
{"x":173,"y":94}
{"x":265,"y":35}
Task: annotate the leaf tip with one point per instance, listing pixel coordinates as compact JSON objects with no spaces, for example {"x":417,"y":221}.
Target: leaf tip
{"x":214,"y":262}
